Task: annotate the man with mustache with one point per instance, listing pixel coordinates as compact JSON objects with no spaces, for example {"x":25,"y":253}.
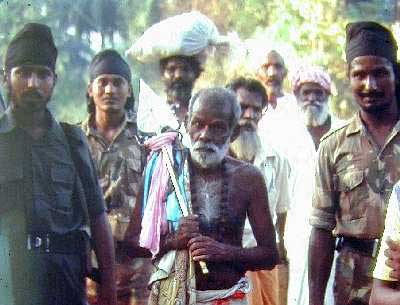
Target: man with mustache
{"x":111,"y":131}
{"x":179,"y":73}
{"x":50,"y":197}
{"x":276,"y":171}
{"x":312,"y":88}
{"x":357,"y":167}
{"x":216,"y":190}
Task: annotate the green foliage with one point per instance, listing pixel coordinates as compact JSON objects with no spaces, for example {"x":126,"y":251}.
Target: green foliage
{"x":305,"y":31}
{"x":74,"y":25}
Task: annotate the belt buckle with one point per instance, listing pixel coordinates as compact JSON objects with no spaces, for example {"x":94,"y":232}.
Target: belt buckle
{"x":37,"y":242}
{"x":375,"y":248}
{"x":33,"y":243}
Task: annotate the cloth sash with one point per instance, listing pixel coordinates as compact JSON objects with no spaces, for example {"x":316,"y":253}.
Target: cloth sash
{"x":234,"y":295}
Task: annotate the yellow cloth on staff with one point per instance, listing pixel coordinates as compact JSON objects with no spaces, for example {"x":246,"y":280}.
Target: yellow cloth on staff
{"x":392,"y":231}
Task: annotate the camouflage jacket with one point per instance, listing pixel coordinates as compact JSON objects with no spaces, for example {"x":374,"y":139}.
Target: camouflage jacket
{"x":119,"y":166}
{"x":354,"y":179}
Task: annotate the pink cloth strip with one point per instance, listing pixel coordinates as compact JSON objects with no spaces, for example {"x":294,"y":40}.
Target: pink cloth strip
{"x":154,"y":221}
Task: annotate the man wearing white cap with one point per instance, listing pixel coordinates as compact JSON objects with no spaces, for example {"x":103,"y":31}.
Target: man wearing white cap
{"x":180,"y":44}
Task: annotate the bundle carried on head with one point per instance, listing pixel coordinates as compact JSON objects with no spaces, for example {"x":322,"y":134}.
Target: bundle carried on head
{"x":188,"y":34}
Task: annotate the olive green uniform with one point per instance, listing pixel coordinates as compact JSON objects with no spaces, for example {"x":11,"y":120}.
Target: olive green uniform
{"x":119,"y":166}
{"x":354,"y":179}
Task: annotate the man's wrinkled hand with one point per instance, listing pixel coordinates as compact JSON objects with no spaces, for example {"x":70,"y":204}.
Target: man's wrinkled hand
{"x":204,"y":248}
{"x":393,"y":258}
{"x":187,"y":229}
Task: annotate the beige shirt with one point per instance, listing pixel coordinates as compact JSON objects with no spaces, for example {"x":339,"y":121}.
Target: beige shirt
{"x":392,"y":231}
{"x":353,"y":181}
{"x":276,"y":171}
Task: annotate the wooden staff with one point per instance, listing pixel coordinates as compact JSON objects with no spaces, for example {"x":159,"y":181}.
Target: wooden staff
{"x":181,"y":201}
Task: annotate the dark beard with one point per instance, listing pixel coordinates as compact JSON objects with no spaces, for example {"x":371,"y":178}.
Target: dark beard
{"x":246,"y":145}
{"x":29,"y":102}
{"x":179,"y":92}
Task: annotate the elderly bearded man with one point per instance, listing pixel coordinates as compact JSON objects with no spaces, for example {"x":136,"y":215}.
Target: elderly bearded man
{"x":357,"y":167}
{"x":50,"y":196}
{"x":312,"y":88}
{"x":276,"y":170}
{"x":216,"y":191}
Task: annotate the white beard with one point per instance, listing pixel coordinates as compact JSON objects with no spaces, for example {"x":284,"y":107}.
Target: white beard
{"x":316,"y":114}
{"x":208,"y":159}
{"x":246,"y":145}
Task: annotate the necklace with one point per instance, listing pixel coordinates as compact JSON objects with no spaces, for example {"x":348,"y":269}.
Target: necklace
{"x":222,"y":223}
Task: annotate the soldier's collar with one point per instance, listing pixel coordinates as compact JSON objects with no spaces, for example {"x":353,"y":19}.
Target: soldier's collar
{"x":8,"y":123}
{"x":89,"y":130}
{"x":355,"y":126}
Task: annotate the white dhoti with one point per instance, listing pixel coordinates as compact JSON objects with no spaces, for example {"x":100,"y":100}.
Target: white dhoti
{"x":235,"y":295}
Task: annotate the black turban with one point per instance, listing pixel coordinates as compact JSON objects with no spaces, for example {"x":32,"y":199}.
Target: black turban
{"x":32,"y":45}
{"x":369,"y":38}
{"x":109,"y":62}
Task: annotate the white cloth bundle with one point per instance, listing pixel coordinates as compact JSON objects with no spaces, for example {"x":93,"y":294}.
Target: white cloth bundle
{"x":188,"y":34}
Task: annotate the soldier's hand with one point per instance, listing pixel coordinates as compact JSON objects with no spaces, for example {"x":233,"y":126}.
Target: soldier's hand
{"x":393,"y":258}
{"x":204,"y":248}
{"x":187,"y":229}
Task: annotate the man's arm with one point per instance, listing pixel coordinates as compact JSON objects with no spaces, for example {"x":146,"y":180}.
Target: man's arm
{"x":104,"y":249}
{"x":188,"y":228}
{"x":385,"y":293}
{"x":319,"y":263}
{"x":280,"y":229}
{"x":283,"y":203}
{"x":385,"y":289}
{"x":265,"y":255}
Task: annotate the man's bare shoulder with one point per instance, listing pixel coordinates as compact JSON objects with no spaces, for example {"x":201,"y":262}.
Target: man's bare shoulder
{"x":242,"y":170}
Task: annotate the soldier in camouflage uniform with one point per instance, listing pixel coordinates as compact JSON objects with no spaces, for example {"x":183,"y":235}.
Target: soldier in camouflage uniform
{"x":112,"y":136}
{"x":357,"y":167}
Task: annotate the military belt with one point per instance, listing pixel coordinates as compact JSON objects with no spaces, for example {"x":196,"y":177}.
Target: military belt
{"x":71,"y":243}
{"x":366,"y":246}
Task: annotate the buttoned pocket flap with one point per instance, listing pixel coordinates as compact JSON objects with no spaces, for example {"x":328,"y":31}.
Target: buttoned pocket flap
{"x":350,"y":180}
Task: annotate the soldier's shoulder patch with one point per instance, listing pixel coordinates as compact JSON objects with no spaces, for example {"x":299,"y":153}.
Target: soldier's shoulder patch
{"x":334,"y":131}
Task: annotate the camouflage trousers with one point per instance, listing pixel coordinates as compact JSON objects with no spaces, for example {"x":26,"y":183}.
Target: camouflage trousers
{"x":353,"y":278}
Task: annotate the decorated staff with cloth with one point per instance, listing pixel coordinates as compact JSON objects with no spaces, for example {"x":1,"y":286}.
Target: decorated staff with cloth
{"x":111,"y":131}
{"x":50,"y":196}
{"x":357,"y":167}
{"x":193,"y":207}
{"x":181,"y":45}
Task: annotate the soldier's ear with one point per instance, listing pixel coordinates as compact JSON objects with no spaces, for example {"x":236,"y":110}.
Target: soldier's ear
{"x":4,"y":76}
{"x":55,"y":79}
{"x":89,"y":90}
{"x":186,"y":121}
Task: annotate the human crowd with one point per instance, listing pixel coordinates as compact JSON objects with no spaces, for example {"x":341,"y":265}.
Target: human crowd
{"x":256,"y":196}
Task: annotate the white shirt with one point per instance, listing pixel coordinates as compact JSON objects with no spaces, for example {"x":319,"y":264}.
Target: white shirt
{"x":284,"y":128}
{"x":276,"y":171}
